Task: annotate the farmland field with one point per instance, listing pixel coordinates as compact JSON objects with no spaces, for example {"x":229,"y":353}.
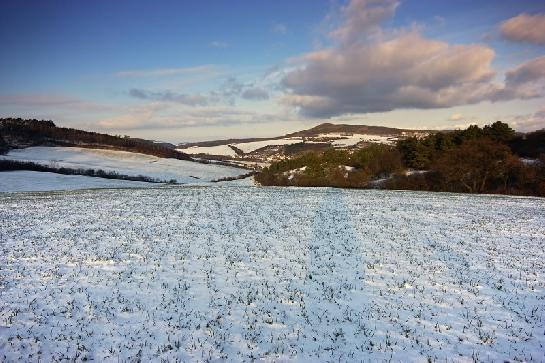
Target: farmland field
{"x":35,"y":181}
{"x":123,"y":162}
{"x":237,"y":273}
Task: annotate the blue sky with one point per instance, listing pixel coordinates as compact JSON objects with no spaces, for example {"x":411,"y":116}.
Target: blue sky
{"x":191,"y":70}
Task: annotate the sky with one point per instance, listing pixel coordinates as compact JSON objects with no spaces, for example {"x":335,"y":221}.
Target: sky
{"x":194,"y":70}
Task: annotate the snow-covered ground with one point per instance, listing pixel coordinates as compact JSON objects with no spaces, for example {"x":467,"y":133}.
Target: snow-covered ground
{"x":294,"y":172}
{"x":123,"y":162}
{"x":33,"y":181}
{"x":273,"y":274}
{"x":248,"y":147}
{"x":353,"y":139}
{"x":210,"y":150}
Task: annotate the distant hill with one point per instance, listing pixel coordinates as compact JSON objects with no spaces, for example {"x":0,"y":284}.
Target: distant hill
{"x":328,"y":128}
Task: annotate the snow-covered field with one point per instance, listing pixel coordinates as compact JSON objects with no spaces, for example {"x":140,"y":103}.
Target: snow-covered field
{"x":353,"y":139}
{"x":33,"y":181}
{"x":210,"y":150}
{"x":244,"y":273}
{"x":123,"y":162}
{"x":248,"y":147}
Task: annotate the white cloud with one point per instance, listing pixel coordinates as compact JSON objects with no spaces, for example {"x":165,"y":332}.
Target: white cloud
{"x":525,"y":28}
{"x":439,"y":20}
{"x":165,"y":72}
{"x":162,"y":116}
{"x":169,"y":96}
{"x":279,"y":28}
{"x":218,"y":44}
{"x":456,"y":117}
{"x":460,"y":126}
{"x":529,"y":122}
{"x":255,"y":93}
{"x":132,"y":118}
{"x":59,"y":102}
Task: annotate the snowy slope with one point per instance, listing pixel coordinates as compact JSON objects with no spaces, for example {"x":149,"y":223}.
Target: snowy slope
{"x":271,"y":274}
{"x":353,"y":139}
{"x":123,"y":162}
{"x":210,"y":150}
{"x":33,"y":181}
{"x":248,"y":147}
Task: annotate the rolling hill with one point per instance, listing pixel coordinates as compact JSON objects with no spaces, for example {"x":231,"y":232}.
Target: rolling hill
{"x":20,"y":133}
{"x":38,"y":155}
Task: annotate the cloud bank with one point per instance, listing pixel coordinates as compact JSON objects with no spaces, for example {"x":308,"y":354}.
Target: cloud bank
{"x":365,"y":71}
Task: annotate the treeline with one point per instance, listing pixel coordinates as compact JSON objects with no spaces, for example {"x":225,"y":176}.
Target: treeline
{"x":4,"y":147}
{"x":17,"y":132}
{"x":420,"y":153}
{"x":492,"y":159}
{"x":232,"y":178}
{"x":337,"y":168}
{"x":13,"y":165}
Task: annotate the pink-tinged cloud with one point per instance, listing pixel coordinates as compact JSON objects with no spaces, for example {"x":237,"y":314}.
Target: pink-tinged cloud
{"x":525,"y":28}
